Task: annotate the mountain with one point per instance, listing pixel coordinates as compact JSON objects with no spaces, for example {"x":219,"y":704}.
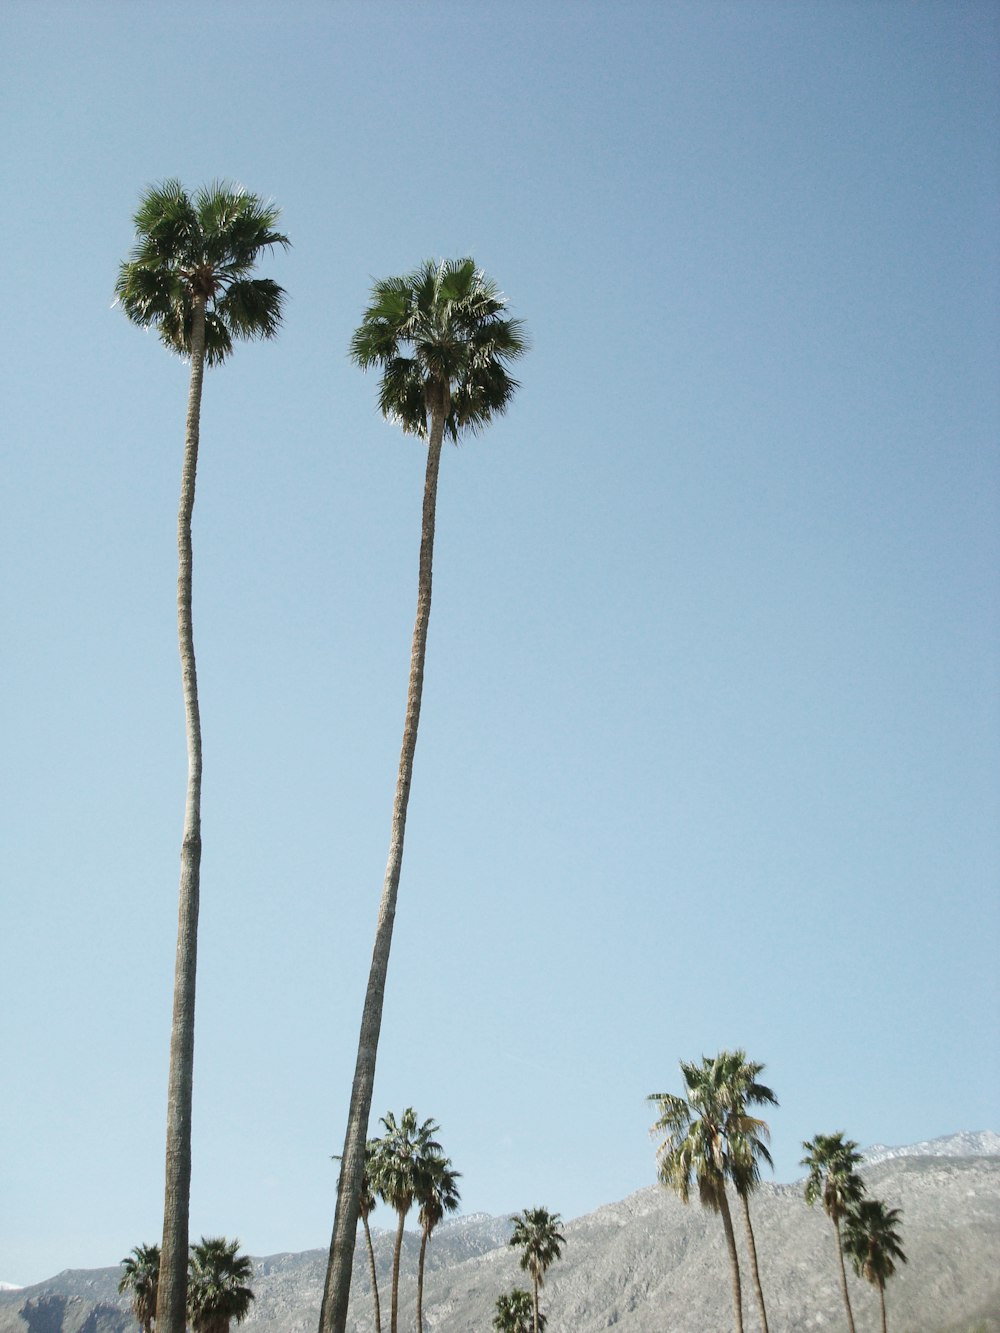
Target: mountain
{"x":642,"y":1265}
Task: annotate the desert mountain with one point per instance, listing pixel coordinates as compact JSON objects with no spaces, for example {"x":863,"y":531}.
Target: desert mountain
{"x":645,"y":1265}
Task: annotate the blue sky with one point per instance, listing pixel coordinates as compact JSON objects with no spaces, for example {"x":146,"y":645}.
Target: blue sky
{"x":710,"y":748}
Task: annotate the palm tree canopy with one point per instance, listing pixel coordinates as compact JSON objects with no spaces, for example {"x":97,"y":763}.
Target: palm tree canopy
{"x":441,"y":330}
{"x":218,"y":1290}
{"x":514,"y":1313}
{"x":141,"y":1276}
{"x":398,"y":1156}
{"x":872,"y":1239}
{"x":536,"y":1234}
{"x":832,"y":1162}
{"x":436,"y":1190}
{"x":709,"y":1135}
{"x":202,"y":248}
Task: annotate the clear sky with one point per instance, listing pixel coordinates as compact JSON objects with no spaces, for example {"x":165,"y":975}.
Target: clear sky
{"x":710,"y":748}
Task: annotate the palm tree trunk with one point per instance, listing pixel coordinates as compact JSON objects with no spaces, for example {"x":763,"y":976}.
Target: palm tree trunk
{"x":881,"y":1298}
{"x":420,"y":1283}
{"x":843,"y":1277}
{"x":752,"y":1248}
{"x":337,"y":1291}
{"x":172,"y":1289}
{"x":371,"y":1270}
{"x":396,"y":1257}
{"x":727,"y":1222}
{"x":534,"y":1303}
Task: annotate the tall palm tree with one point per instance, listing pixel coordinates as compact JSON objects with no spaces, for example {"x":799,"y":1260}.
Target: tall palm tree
{"x":188,"y":276}
{"x":536,"y":1235}
{"x":872,"y":1239}
{"x":218,"y":1285}
{"x":736,"y":1084}
{"x":366,"y":1206}
{"x":694,"y":1152}
{"x":443,"y":342}
{"x":436,"y":1194}
{"x":401,"y":1158}
{"x":832,"y":1162}
{"x":140,"y":1278}
{"x":514,"y":1313}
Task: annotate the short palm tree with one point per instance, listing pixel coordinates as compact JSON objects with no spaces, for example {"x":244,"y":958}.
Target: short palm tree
{"x":436,"y":1194}
{"x":140,"y":1278}
{"x":400,"y":1158}
{"x":188,"y":276}
{"x":694,"y":1153}
{"x":218,"y":1285}
{"x":737,"y":1087}
{"x":873,"y":1242}
{"x":537,"y":1236}
{"x":443,"y":342}
{"x":832,"y":1162}
{"x":514,"y":1313}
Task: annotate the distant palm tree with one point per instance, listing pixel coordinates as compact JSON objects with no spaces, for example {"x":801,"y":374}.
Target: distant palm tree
{"x":694,"y":1152}
{"x":514,"y":1313}
{"x":437,"y":1194}
{"x":398,"y":1160}
{"x":188,"y":276}
{"x":737,"y":1085}
{"x":872,"y":1239}
{"x":218,"y":1290}
{"x":832,"y":1162}
{"x":140,"y":1279}
{"x":443,"y":341}
{"x":536,"y":1235}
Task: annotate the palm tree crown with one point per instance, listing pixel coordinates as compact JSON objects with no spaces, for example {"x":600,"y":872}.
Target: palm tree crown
{"x":832,"y":1162}
{"x":872,"y":1239}
{"x":537,"y":1236}
{"x":200,"y":250}
{"x":141,"y":1276}
{"x":441,"y":339}
{"x":218,"y":1290}
{"x":514,"y":1313}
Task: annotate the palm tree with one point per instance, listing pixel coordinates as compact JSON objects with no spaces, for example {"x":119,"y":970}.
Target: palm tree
{"x":141,"y":1275}
{"x":536,"y":1235}
{"x":514,"y":1313}
{"x":872,"y":1239}
{"x":188,"y":277}
{"x":441,"y":338}
{"x":217,"y":1285}
{"x":694,"y":1152}
{"x":832,"y":1161}
{"x":436,"y":1194}
{"x":737,"y":1087}
{"x":366,"y":1206}
{"x":400,"y":1159}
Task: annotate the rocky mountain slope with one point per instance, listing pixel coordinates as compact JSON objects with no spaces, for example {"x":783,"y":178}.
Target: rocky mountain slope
{"x":644,"y":1265}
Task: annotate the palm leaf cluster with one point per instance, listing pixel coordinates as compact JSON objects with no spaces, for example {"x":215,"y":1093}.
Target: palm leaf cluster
{"x":218,"y":1287}
{"x":199,"y":250}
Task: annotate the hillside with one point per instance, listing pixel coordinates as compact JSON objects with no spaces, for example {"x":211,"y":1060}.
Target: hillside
{"x":639,"y":1266}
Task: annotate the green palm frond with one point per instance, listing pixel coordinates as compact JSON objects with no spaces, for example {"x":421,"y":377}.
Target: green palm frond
{"x":201,"y":249}
{"x":441,"y":330}
{"x":832,"y":1163}
{"x":872,"y":1239}
{"x":536,"y":1234}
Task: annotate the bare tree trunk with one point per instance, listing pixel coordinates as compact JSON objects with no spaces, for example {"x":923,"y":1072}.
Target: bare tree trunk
{"x":337,"y":1291}
{"x":372,"y":1272}
{"x":534,"y":1303}
{"x":843,"y":1277}
{"x":752,"y":1248}
{"x":881,"y":1297}
{"x":727,"y":1222}
{"x":397,"y":1255}
{"x":420,"y":1282}
{"x":171,"y":1301}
